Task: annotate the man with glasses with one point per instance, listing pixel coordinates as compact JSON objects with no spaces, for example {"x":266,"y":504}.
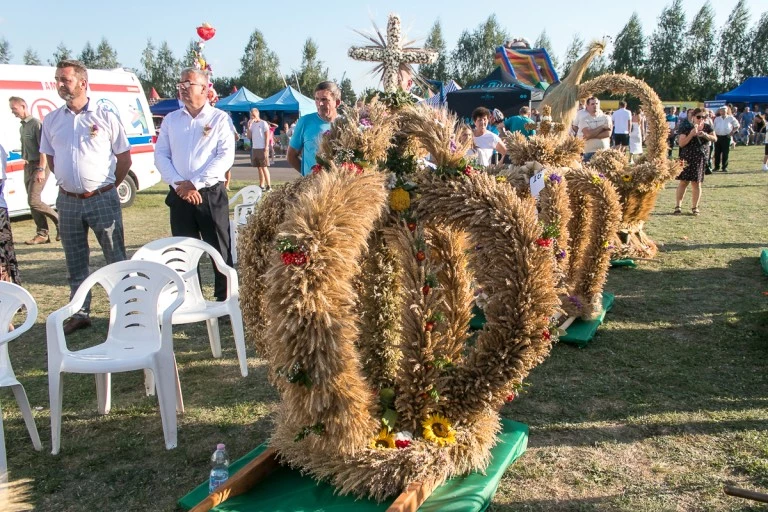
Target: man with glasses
{"x":595,"y":128}
{"x":725,"y":126}
{"x":87,"y":150}
{"x":195,"y":149}
{"x":305,"y":139}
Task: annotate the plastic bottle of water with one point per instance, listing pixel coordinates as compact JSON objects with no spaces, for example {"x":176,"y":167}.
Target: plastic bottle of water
{"x":220,"y":469}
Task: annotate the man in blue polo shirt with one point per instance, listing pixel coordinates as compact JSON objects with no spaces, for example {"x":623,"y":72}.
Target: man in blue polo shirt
{"x":517,"y":123}
{"x":306,"y":136}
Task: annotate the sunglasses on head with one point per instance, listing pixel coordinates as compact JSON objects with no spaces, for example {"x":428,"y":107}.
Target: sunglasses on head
{"x":701,"y":117}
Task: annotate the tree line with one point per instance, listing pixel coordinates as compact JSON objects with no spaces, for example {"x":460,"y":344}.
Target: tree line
{"x":160,"y":69}
{"x":681,"y":59}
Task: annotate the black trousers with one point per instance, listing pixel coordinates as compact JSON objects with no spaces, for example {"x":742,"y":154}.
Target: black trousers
{"x":722,"y":148}
{"x":208,"y":221}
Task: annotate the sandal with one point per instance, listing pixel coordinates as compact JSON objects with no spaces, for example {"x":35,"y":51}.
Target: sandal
{"x":677,"y":211}
{"x":695,"y":211}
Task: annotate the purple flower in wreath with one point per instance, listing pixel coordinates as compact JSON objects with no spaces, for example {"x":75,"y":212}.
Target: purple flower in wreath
{"x":453,"y":147}
{"x":365,"y":122}
{"x":601,"y":175}
{"x":478,"y":247}
{"x":575,"y":301}
{"x":326,"y":133}
{"x":560,"y":254}
{"x":555,"y":178}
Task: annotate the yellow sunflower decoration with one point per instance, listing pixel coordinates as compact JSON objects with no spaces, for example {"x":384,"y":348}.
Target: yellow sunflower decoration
{"x":399,"y":199}
{"x":438,"y":429}
{"x":383,"y":441}
{"x":626,"y":178}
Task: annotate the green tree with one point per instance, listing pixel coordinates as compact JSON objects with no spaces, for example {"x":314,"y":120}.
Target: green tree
{"x":88,"y":55}
{"x":572,"y":54}
{"x":629,"y":49}
{"x":700,"y":53}
{"x":190,"y":55}
{"x":543,"y":41}
{"x":224,"y":85}
{"x":348,"y":95}
{"x":311,"y":72}
{"x":166,"y":71}
{"x":666,"y":69}
{"x":61,"y":53}
{"x":106,"y":56}
{"x":758,"y":58}
{"x":733,"y":54}
{"x":5,"y":51}
{"x":31,"y":58}
{"x":473,"y":57}
{"x":439,"y":69}
{"x":599,"y":66}
{"x":259,"y":67}
{"x":147,"y":70}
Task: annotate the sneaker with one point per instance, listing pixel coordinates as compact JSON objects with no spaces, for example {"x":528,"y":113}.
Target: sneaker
{"x":765,"y":168}
{"x":39,"y":239}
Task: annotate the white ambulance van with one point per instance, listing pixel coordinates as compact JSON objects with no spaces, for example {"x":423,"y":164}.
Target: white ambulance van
{"x":118,"y":90}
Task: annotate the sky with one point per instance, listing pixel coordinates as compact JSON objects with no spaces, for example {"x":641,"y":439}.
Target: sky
{"x":42,"y":24}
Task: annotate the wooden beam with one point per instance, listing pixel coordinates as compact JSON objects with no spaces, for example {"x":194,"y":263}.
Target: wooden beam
{"x":745,"y":493}
{"x":242,"y":481}
{"x":412,"y":497}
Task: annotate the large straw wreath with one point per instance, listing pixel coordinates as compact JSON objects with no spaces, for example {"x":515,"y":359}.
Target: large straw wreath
{"x":366,"y":304}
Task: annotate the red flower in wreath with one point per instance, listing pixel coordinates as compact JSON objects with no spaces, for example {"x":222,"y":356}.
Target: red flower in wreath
{"x":352,"y":167}
{"x":404,"y":443}
{"x":510,"y":397}
{"x":299,"y":258}
{"x":317,"y":168}
{"x":546,"y":334}
{"x":468,"y":170}
{"x":287,"y":258}
{"x":544,"y":242}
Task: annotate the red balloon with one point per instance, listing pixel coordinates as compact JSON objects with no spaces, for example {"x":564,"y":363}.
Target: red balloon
{"x":206,"y":33}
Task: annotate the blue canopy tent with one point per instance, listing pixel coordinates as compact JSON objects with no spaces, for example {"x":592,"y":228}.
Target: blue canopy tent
{"x":164,"y":107}
{"x":240,"y":101}
{"x":752,"y":90}
{"x":288,"y":100}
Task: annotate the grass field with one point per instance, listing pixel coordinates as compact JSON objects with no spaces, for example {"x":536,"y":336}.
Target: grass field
{"x":666,"y":405}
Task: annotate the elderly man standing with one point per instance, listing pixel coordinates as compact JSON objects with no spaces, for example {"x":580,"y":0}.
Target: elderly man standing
{"x":725,"y":126}
{"x":305,"y":139}
{"x":35,"y":172}
{"x":194,"y":150}
{"x":595,"y":129}
{"x":88,"y":152}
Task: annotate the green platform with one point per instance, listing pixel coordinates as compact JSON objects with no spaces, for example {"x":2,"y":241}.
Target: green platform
{"x":764,"y":260}
{"x":624,"y":263}
{"x":286,"y":490}
{"x":581,"y":332}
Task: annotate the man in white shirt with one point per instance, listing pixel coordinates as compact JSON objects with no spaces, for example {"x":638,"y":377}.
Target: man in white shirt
{"x":622,"y":125}
{"x":260,"y":135}
{"x":194,"y":150}
{"x":87,"y":150}
{"x":725,"y":125}
{"x":595,"y":129}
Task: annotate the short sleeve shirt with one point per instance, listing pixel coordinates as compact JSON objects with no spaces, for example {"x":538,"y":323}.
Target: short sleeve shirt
{"x":306,"y":139}
{"x":485,"y":144}
{"x":517,"y":124}
{"x":83,"y":147}
{"x":599,"y":121}
{"x":258,"y":132}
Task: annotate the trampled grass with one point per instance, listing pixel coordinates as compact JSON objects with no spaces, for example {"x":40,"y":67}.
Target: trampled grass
{"x":667,"y":404}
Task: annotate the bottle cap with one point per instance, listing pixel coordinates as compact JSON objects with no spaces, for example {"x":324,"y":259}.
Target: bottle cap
{"x":220,"y":446}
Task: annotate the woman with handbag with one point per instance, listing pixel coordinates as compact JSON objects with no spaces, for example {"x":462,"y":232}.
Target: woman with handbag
{"x":695,"y":135}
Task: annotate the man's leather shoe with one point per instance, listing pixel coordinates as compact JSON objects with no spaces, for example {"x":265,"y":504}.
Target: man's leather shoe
{"x":58,"y":236}
{"x":76,"y":323}
{"x":39,"y":239}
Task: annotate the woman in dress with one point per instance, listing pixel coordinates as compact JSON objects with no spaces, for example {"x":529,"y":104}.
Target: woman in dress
{"x":485,"y":141}
{"x":695,"y":135}
{"x":9,"y":269}
{"x":636,"y":135}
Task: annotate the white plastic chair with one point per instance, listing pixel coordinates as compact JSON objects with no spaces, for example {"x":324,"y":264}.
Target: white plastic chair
{"x":140,"y":337}
{"x":182,"y":254}
{"x":244,"y":202}
{"x":12,"y":299}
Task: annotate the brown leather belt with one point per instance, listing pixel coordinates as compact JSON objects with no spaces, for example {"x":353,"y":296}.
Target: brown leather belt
{"x":86,"y":195}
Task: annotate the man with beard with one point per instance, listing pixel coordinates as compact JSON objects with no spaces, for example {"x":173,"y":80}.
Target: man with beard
{"x":309,"y":129}
{"x":88,"y":152}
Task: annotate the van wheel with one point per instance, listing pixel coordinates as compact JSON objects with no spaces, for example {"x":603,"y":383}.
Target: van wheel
{"x":127,"y":192}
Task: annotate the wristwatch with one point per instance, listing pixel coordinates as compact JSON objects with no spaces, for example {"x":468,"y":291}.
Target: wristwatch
{"x":39,"y":168}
